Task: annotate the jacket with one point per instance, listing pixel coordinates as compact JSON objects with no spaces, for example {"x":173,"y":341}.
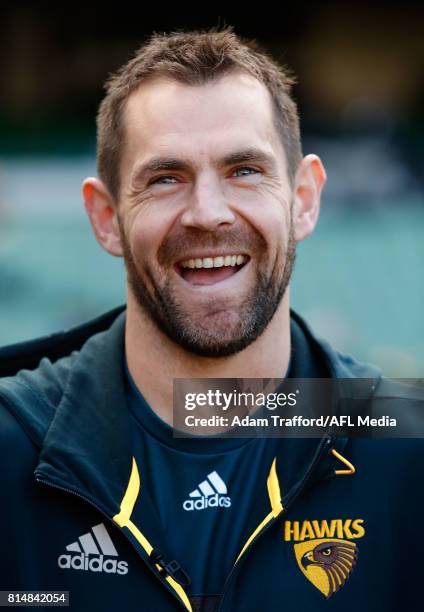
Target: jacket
{"x":342,"y":532}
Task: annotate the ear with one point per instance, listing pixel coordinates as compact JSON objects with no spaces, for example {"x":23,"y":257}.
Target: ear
{"x":308,"y":183}
{"x":102,"y":214}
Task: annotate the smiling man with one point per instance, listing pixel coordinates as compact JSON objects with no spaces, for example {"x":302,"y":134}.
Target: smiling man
{"x":206,"y":214}
{"x":204,"y":191}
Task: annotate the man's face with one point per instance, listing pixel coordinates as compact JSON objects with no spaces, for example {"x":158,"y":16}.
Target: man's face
{"x":205,"y":211}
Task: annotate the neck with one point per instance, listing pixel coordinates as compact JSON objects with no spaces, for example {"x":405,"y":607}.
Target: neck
{"x":154,"y":360}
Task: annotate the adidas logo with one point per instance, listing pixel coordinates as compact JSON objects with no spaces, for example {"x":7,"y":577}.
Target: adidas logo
{"x":210,"y":493}
{"x":89,"y":553}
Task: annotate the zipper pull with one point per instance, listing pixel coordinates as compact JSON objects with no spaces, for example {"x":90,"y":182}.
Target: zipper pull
{"x":171,"y":568}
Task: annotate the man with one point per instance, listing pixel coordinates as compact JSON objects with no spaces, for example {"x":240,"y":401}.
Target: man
{"x":204,"y":192}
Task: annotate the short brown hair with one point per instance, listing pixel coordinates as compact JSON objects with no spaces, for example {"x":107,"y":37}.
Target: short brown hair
{"x":192,"y":58}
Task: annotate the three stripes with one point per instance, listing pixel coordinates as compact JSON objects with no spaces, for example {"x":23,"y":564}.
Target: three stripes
{"x":89,"y":545}
{"x":213,"y":484}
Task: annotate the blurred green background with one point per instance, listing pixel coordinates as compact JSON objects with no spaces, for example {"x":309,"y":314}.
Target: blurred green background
{"x":358,"y":280}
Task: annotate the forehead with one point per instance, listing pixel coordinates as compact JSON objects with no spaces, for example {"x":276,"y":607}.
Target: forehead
{"x":167,"y":117}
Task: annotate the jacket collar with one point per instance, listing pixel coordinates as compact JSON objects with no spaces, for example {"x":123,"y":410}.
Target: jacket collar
{"x":87,"y":446}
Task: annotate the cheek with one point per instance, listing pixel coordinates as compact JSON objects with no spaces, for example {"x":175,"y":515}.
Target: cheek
{"x":276,"y":219}
{"x":271,"y":221}
{"x":147,"y":233}
{"x":265,"y":206}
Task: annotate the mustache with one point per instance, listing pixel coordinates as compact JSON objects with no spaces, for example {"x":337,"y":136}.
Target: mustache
{"x":180,"y":245}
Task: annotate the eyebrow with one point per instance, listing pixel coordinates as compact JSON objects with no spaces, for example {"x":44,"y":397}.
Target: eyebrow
{"x":251,"y":154}
{"x":160,"y":163}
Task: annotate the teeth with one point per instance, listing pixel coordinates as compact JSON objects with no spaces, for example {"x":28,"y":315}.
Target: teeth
{"x":214,"y":262}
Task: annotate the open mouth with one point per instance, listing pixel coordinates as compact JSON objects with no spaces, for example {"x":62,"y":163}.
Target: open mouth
{"x":211,"y":270}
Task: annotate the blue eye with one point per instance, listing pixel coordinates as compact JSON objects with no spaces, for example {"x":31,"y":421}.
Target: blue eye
{"x":244,"y":169}
{"x":163,"y":180}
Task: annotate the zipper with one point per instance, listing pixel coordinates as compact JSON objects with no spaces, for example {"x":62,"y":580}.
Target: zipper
{"x":325,"y":444}
{"x":91,"y":502}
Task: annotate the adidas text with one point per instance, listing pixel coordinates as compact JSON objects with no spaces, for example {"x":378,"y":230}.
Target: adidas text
{"x":95,"y":564}
{"x":213,"y":501}
{"x":210,"y":493}
{"x":89,"y":551}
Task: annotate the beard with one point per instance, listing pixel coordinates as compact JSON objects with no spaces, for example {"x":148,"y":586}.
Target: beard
{"x":189,"y":330}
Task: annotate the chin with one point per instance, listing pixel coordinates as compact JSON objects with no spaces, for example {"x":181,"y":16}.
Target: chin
{"x":220,"y":339}
{"x":221,"y":323}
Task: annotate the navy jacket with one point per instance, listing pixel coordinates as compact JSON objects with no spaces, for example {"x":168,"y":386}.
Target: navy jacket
{"x":343,"y":530}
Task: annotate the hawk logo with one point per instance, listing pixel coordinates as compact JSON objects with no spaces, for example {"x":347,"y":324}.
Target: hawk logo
{"x":326,"y":563}
{"x":324,"y":551}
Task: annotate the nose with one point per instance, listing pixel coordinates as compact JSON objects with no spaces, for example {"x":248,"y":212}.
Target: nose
{"x":207,"y":207}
